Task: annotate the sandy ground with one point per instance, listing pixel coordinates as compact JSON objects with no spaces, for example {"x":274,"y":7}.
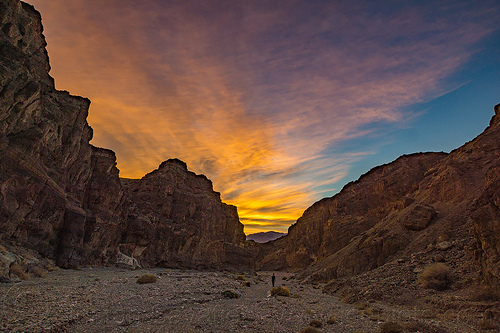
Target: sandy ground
{"x":110,"y":300}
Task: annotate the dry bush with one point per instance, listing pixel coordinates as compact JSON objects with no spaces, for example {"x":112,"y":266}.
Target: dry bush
{"x":310,"y":329}
{"x":296,"y":296}
{"x":280,"y":291}
{"x":416,"y":326}
{"x":147,"y":278}
{"x":315,"y":323}
{"x":38,"y":271}
{"x":51,"y":268}
{"x":17,"y":270}
{"x":2,"y":249}
{"x":240,"y":278}
{"x":435,"y":276}
{"x":247,"y":283}
{"x":361,"y":305}
{"x":391,"y":327}
{"x":331,"y":319}
{"x":230,"y":294}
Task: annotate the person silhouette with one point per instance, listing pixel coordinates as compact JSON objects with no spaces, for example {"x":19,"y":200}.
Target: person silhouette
{"x":273,"y":278}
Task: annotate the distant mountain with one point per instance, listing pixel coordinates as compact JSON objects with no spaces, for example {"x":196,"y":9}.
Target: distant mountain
{"x":264,"y":237}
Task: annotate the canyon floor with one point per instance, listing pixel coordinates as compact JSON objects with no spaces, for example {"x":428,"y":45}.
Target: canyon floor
{"x":110,"y":300}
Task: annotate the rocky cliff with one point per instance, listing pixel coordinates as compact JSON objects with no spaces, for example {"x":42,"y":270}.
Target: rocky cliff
{"x":63,"y":198}
{"x":175,"y":219}
{"x":48,"y":167}
{"x":420,"y":205}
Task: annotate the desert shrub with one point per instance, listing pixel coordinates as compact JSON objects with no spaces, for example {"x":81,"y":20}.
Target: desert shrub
{"x":147,"y":278}
{"x":280,"y":291}
{"x":230,"y":294}
{"x":310,"y":329}
{"x":296,"y":296}
{"x":51,"y":268}
{"x":38,"y":271}
{"x":247,"y":283}
{"x":391,"y":327}
{"x":240,"y":278}
{"x":2,"y":249}
{"x":361,"y":305}
{"x":315,"y":323}
{"x":17,"y":270}
{"x":435,"y":276}
{"x":331,"y":319}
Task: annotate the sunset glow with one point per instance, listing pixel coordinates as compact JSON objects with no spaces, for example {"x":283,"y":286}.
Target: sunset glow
{"x":278,"y":103}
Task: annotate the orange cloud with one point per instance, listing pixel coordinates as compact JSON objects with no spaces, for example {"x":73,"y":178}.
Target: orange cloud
{"x":251,"y":94}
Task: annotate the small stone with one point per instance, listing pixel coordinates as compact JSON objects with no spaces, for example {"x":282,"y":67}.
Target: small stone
{"x":443,"y":246}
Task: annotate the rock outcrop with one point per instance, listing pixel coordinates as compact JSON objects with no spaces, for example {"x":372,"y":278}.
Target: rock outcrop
{"x":176,"y":219}
{"x":48,"y":169}
{"x":63,"y":197}
{"x":412,"y":205}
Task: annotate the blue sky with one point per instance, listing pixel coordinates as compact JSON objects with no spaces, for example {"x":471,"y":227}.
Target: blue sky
{"x":279,"y":103}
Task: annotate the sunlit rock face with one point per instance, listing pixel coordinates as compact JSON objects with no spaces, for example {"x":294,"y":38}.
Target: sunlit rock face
{"x":405,"y":207}
{"x":63,"y":197}
{"x":177,"y":220}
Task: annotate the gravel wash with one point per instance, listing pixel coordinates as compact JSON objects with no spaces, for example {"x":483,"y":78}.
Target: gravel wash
{"x":110,"y":300}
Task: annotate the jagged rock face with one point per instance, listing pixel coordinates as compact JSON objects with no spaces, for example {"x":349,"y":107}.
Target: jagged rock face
{"x":330,"y":224}
{"x":48,"y":169}
{"x":63,"y":197}
{"x":177,"y":220}
{"x":408,"y":206}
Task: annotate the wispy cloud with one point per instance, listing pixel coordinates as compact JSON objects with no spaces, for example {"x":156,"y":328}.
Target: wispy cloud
{"x":253,"y":94}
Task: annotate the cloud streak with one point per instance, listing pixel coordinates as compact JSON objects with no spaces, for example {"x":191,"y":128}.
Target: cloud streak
{"x":253,"y":94}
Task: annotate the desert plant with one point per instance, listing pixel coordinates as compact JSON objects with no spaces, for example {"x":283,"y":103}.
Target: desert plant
{"x":331,"y":319}
{"x":361,"y":305}
{"x":240,"y":278}
{"x":230,"y":294}
{"x":38,"y":271}
{"x":2,"y":249}
{"x":315,"y":323}
{"x":280,"y":291}
{"x":310,"y":329}
{"x":18,"y":271}
{"x":391,"y":327}
{"x":51,"y":268}
{"x":435,"y":276}
{"x":296,"y":296}
{"x":147,"y":278}
{"x":247,"y":283}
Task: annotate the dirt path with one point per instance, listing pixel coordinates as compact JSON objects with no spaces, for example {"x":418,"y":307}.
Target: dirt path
{"x":110,"y":300}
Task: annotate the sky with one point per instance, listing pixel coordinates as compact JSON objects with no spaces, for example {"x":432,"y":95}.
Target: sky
{"x":279,"y":103}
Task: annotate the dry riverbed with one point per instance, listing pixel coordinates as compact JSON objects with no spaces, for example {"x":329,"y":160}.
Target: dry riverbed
{"x":110,"y":300}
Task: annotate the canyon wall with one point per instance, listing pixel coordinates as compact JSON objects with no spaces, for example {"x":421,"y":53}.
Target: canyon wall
{"x":413,"y":205}
{"x":63,"y":198}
